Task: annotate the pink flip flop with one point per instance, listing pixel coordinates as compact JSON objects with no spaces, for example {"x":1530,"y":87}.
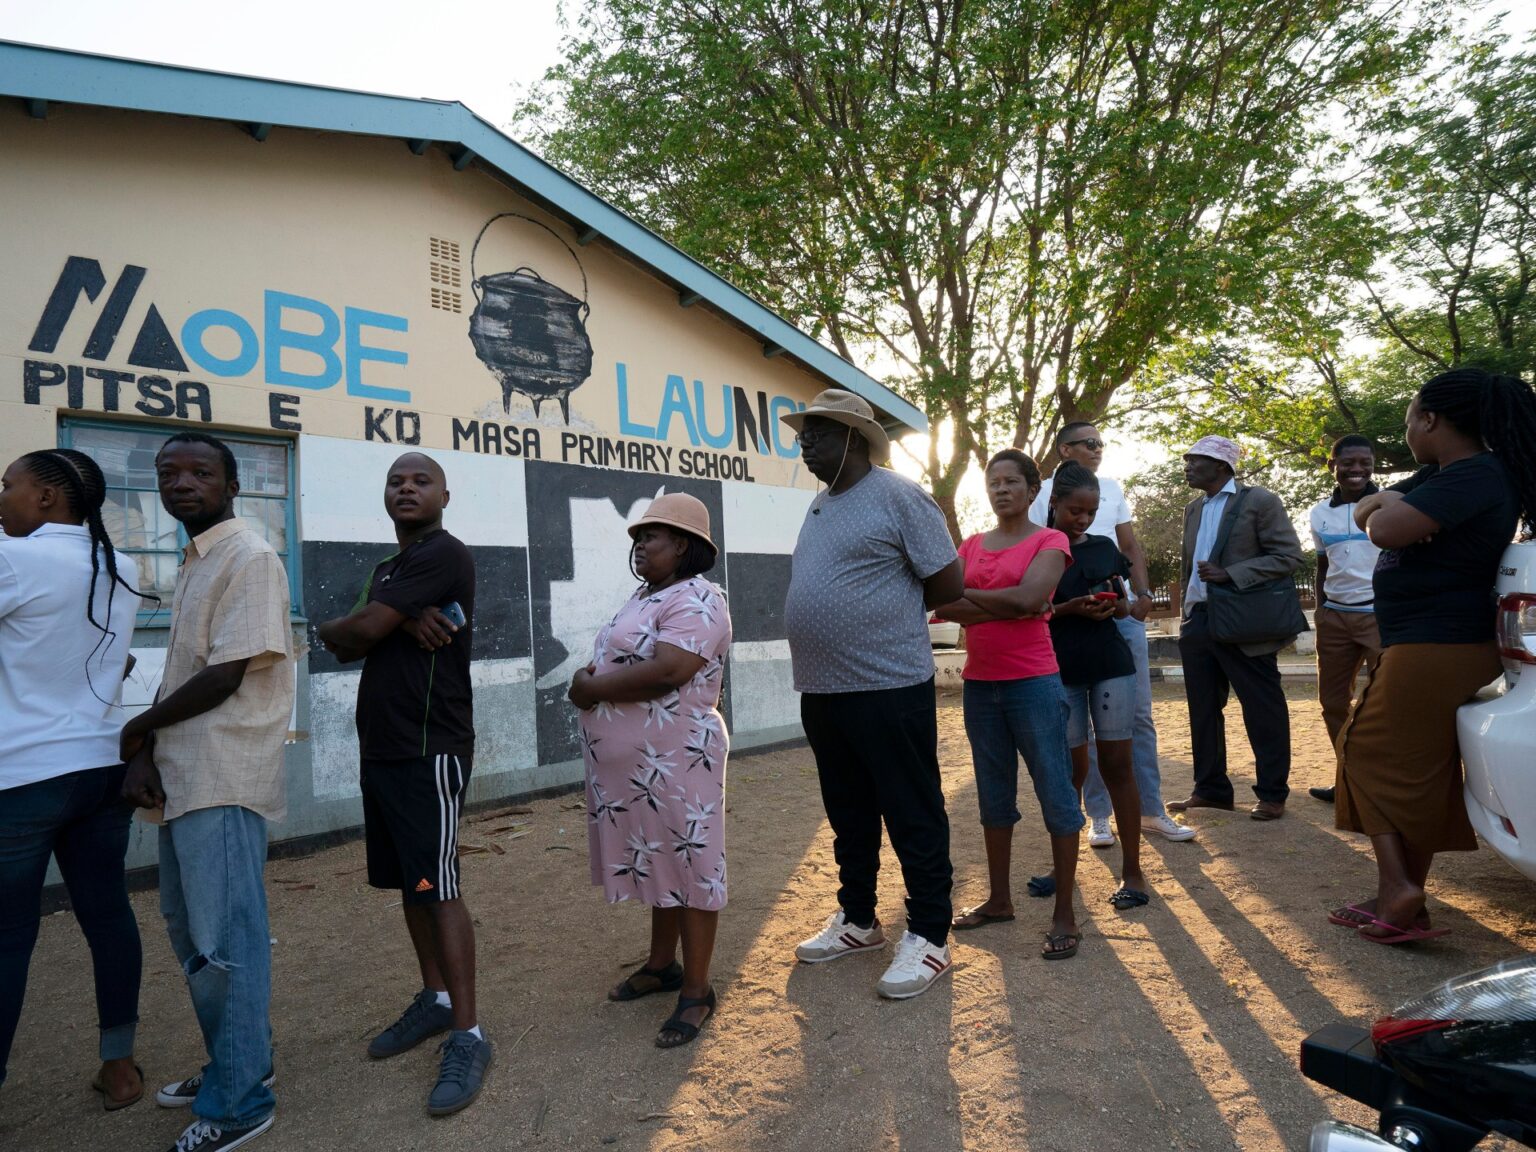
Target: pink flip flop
{"x":1399,"y":935}
{"x":1337,"y":916}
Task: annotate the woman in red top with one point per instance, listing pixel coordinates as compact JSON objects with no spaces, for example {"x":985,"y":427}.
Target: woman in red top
{"x":1014,"y":701}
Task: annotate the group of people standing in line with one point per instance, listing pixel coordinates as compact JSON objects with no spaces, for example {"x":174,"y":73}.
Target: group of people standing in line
{"x":1053,"y":599}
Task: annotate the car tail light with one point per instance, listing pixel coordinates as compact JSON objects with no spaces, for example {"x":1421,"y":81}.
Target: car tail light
{"x":1517,"y":619}
{"x":1509,"y":826}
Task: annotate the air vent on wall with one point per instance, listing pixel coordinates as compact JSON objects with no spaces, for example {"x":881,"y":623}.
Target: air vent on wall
{"x":445,"y":268}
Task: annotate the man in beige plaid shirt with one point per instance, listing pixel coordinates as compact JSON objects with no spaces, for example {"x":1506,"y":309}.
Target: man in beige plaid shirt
{"x":210,"y":752}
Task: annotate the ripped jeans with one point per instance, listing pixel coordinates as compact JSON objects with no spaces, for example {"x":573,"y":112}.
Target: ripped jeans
{"x":215,"y":910}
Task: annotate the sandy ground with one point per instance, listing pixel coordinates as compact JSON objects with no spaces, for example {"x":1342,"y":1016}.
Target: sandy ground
{"x":1177,"y":1025}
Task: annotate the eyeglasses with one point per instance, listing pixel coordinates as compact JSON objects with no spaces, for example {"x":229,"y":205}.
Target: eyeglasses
{"x":808,"y":438}
{"x":1093,"y":444}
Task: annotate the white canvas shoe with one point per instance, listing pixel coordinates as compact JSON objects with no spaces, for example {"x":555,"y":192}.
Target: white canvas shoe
{"x":1099,"y":834}
{"x":839,"y":938}
{"x":917,"y":965}
{"x":1167,"y":827}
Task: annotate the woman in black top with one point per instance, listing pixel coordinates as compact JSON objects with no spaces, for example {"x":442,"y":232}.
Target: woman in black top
{"x":1097,"y":670}
{"x":1442,"y":532}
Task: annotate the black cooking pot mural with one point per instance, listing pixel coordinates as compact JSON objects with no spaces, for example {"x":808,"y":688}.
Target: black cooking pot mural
{"x":530,"y":333}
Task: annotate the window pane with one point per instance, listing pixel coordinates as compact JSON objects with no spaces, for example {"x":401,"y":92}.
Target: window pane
{"x":126,"y":457}
{"x":269,"y":517}
{"x":263,"y":468}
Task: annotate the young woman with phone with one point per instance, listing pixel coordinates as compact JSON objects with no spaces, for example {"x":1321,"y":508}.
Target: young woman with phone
{"x":1097,"y":669}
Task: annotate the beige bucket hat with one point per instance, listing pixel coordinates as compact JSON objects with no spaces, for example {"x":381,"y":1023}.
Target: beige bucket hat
{"x":677,"y":510}
{"x":846,"y":408}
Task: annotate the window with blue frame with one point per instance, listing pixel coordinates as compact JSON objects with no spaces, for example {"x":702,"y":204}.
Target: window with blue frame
{"x":140,"y":528}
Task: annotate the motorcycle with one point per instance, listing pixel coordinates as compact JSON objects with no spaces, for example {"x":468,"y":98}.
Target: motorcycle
{"x":1443,"y":1071}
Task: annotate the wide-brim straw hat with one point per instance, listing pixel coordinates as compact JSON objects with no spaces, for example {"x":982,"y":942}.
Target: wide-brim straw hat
{"x":846,"y":408}
{"x":680,"y":512}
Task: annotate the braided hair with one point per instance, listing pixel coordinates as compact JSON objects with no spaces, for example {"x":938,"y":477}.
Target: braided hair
{"x":85,"y":489}
{"x":1070,"y":477}
{"x":1500,"y":413}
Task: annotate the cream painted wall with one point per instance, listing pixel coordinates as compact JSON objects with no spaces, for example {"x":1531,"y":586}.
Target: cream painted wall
{"x":219,"y":220}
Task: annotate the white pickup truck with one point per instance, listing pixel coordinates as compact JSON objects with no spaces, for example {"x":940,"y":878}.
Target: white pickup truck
{"x":1498,"y":730}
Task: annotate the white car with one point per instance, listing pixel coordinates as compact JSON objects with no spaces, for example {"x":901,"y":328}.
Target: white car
{"x":942,"y":633}
{"x":1498,"y":733}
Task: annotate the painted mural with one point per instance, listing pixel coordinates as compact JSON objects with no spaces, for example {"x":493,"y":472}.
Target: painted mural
{"x":531,"y":333}
{"x":328,"y":300}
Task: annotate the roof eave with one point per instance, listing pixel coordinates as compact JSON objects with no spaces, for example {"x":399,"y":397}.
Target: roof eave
{"x":50,"y":75}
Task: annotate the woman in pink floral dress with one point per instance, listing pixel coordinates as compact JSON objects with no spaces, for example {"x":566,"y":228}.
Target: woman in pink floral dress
{"x":655,"y":746}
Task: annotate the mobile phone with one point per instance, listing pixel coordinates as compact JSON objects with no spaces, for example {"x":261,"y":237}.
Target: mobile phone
{"x":1106,"y":595}
{"x":454,"y":613}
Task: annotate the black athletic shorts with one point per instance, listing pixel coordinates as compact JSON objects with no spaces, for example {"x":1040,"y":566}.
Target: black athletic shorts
{"x":411,"y":819}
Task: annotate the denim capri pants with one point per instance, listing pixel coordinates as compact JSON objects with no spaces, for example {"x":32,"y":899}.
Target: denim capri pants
{"x":1006,"y":719}
{"x":1112,"y":704}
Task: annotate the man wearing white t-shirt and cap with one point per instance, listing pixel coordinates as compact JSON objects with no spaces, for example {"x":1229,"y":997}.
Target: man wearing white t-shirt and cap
{"x":1080,"y":441}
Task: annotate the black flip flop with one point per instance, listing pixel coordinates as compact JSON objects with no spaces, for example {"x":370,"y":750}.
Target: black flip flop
{"x":668,"y":979}
{"x":1041,"y":886}
{"x":982,"y":919}
{"x":676,"y":1023}
{"x":1125,"y":897}
{"x":1051,"y":952}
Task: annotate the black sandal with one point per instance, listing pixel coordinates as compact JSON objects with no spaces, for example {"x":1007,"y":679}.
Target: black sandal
{"x":676,"y":1023}
{"x":668,"y":979}
{"x":1061,"y":947}
{"x":1126,"y":897}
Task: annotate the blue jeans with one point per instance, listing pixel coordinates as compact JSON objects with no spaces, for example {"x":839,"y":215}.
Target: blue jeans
{"x":1006,"y":719}
{"x":1149,"y":777}
{"x":215,"y":909}
{"x":82,"y":819}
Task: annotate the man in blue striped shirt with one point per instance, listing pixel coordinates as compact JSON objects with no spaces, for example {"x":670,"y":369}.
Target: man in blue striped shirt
{"x":1345,"y":621}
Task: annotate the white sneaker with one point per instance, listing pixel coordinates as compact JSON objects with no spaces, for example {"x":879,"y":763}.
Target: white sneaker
{"x":1099,"y":835}
{"x":917,"y":965}
{"x":1167,"y":827}
{"x":839,"y":938}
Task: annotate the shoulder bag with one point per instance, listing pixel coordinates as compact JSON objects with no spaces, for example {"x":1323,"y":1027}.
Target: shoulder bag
{"x":1259,"y":614}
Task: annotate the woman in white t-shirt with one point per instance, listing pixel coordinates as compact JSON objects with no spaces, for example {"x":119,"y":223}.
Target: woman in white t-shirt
{"x":66,"y":619}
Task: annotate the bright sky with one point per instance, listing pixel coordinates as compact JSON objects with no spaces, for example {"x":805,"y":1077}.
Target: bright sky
{"x":480,"y":52}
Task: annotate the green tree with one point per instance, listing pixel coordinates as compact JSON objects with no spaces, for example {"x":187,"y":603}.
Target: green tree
{"x":1432,"y":264}
{"x":1012,"y":203}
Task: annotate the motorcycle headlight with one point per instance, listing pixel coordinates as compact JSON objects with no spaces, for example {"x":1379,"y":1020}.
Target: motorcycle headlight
{"x":1505,"y":993}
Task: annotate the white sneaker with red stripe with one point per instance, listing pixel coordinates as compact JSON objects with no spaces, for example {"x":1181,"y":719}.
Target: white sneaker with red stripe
{"x":839,"y":938}
{"x":918,"y":964}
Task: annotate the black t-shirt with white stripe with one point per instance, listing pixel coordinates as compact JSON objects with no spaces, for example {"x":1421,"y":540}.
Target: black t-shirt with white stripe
{"x":412,"y":702}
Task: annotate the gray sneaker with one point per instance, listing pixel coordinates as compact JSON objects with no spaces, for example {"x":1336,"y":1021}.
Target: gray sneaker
{"x":424,"y":1019}
{"x":466,"y":1058}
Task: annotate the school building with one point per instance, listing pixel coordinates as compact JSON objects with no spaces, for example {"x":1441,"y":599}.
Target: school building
{"x":328,"y":278}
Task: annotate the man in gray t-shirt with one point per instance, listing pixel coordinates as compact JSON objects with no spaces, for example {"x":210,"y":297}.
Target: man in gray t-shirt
{"x":873,"y":554}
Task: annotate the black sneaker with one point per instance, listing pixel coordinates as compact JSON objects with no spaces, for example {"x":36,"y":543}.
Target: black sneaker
{"x":183,"y":1092}
{"x":424,"y":1019}
{"x":462,"y":1073}
{"x":201,"y":1136}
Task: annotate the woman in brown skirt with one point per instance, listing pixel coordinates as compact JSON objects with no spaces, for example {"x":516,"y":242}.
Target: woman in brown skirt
{"x":1442,"y":532}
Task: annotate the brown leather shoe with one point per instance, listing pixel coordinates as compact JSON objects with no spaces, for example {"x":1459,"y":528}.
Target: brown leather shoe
{"x":1267,"y":810}
{"x":1198,"y":801}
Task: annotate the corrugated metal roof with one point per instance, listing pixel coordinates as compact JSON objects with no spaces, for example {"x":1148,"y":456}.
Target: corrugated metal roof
{"x":41,"y":76}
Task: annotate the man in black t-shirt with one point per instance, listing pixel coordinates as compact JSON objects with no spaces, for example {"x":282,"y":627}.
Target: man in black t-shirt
{"x":412,"y":626}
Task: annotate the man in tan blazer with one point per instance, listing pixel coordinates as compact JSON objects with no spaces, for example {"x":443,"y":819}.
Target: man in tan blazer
{"x":1260,"y":545}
